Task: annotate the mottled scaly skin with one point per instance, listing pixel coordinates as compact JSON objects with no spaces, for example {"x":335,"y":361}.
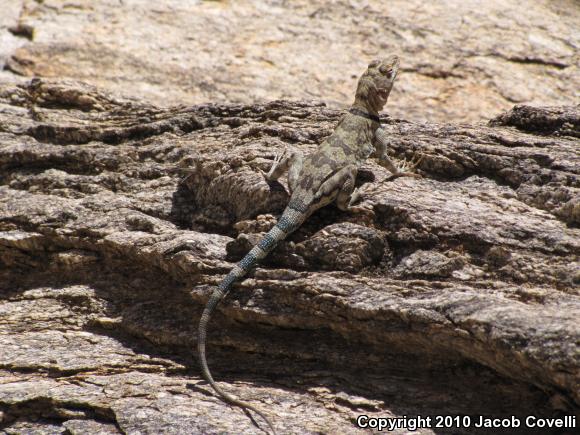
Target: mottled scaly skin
{"x":314,"y":181}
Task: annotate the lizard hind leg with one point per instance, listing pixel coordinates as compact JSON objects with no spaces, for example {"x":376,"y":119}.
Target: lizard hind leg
{"x":340,"y":184}
{"x":295,"y":166}
{"x":347,"y":194}
{"x":290,"y":161}
{"x":279,"y":166}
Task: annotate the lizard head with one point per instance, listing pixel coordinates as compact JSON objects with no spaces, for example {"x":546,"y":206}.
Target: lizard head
{"x":376,"y":83}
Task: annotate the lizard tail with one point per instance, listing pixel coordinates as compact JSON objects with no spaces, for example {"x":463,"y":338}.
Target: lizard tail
{"x":290,"y":220}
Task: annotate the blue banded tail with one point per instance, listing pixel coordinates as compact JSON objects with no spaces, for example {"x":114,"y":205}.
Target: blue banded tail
{"x":290,"y":220}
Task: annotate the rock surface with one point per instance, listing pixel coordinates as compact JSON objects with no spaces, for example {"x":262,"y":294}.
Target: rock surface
{"x":453,"y":294}
{"x":462,"y":60}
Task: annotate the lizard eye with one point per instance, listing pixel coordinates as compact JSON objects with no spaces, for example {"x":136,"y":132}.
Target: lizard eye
{"x":386,"y":70}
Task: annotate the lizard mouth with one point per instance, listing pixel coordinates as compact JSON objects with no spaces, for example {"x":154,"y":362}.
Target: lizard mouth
{"x":383,"y":94}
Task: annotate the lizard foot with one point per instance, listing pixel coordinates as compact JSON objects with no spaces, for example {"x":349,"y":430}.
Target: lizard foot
{"x":362,"y":214}
{"x":407,"y":169}
{"x":278,"y":166}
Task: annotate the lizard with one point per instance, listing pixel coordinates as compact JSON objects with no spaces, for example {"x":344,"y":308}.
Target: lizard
{"x":325,"y":176}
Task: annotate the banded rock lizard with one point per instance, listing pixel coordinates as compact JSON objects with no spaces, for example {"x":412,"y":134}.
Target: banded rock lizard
{"x":317,"y":180}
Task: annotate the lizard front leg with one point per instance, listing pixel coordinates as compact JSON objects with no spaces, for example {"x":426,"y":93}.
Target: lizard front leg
{"x":290,"y":161}
{"x":404,"y":169}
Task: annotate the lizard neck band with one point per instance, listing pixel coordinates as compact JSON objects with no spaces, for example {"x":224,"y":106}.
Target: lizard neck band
{"x":364,"y":114}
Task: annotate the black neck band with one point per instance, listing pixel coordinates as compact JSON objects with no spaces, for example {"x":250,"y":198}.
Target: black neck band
{"x":364,"y":114}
